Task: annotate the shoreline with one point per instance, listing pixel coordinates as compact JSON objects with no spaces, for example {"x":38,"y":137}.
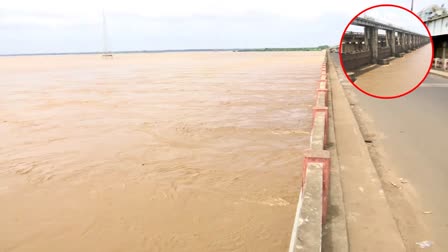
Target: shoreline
{"x":267,"y":49}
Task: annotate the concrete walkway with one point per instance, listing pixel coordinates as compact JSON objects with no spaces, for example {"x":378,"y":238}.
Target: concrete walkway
{"x":439,"y":73}
{"x":370,"y":223}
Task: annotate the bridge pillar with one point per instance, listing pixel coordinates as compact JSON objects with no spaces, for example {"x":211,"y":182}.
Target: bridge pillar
{"x":403,"y":42}
{"x":390,"y":36}
{"x":397,"y":41}
{"x":372,"y":37}
{"x":406,"y":41}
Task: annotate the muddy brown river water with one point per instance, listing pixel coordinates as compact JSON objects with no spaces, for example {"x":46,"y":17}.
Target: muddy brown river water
{"x":153,"y":152}
{"x":400,"y":76}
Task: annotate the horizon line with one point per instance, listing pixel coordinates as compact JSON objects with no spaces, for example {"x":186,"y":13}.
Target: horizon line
{"x":154,"y":51}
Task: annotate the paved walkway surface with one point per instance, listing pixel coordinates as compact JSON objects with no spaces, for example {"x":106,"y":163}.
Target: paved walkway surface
{"x":370,"y":224}
{"x":434,"y":78}
{"x":334,"y":236}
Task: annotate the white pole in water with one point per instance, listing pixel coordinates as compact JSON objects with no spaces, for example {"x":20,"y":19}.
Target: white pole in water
{"x":105,"y":44}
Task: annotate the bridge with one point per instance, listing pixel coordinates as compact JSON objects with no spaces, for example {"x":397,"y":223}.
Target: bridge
{"x":369,"y":47}
{"x":439,"y":32}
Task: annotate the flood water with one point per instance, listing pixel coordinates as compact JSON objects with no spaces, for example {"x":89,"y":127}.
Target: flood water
{"x":153,"y":152}
{"x":400,"y":76}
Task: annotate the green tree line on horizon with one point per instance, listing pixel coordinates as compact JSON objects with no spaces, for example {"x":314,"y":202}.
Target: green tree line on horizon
{"x":319,"y":48}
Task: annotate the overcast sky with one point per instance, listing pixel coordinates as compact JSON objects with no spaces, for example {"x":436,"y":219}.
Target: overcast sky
{"x":41,"y":26}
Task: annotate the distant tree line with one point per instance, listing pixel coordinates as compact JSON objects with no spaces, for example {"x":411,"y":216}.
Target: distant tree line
{"x":319,"y":48}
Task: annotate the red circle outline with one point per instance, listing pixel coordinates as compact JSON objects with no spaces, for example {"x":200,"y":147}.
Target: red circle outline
{"x":430,"y":62}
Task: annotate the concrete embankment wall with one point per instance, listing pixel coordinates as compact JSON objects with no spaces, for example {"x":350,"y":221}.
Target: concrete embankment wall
{"x":313,"y":200}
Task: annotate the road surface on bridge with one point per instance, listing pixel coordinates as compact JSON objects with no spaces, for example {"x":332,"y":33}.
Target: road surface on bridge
{"x":411,"y":132}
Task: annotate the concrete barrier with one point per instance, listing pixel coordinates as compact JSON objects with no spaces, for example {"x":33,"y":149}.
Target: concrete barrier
{"x":323,"y":78}
{"x":307,"y":230}
{"x":322,"y":157}
{"x":323,"y":92}
{"x":444,"y":64}
{"x":311,"y":210}
{"x":322,"y":84}
{"x":318,"y":112}
{"x":438,"y":63}
{"x":317,"y":141}
{"x":383,"y":61}
{"x":320,"y":99}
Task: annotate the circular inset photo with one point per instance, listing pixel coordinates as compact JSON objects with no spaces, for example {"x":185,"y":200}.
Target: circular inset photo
{"x":386,"y":51}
